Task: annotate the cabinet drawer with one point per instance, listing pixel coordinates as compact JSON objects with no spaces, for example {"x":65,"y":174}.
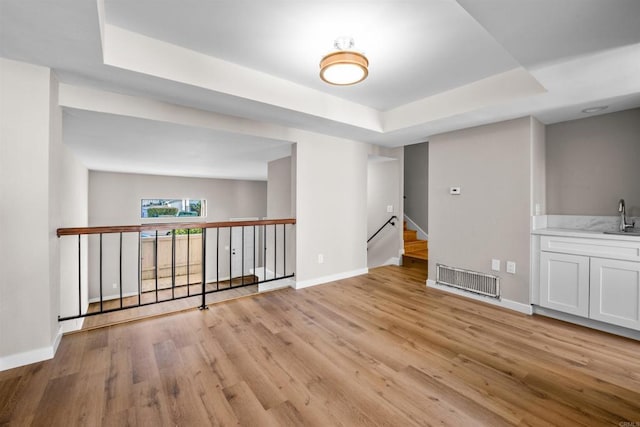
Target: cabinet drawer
{"x":618,"y":249}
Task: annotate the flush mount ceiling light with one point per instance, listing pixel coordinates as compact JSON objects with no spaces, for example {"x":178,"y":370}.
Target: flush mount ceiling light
{"x":345,"y":66}
{"x":595,"y":109}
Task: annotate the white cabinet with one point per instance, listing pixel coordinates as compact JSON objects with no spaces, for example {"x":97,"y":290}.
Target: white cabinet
{"x":564,"y":283}
{"x":594,"y":278}
{"x":615,"y":292}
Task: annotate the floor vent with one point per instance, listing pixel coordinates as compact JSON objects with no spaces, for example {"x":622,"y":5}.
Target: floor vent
{"x":472,"y":281}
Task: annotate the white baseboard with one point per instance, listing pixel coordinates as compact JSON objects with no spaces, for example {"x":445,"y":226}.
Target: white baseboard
{"x":331,"y":278}
{"x":276,"y":284}
{"x":393,"y":261}
{"x":112,"y":297}
{"x":32,"y":356}
{"x":505,"y":303}
{"x":588,"y":323}
{"x":72,"y":325}
{"x":422,"y":235}
{"x":260,"y":273}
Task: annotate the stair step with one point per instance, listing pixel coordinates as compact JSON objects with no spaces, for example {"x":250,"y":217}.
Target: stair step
{"x":416,"y":245}
{"x":410,"y":235}
{"x":421,"y":255}
{"x":416,"y":263}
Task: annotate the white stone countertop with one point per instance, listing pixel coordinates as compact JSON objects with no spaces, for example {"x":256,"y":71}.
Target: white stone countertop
{"x":589,"y":234}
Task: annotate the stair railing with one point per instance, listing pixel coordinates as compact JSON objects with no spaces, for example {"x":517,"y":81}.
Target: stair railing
{"x":264,"y":240}
{"x":389,"y":221}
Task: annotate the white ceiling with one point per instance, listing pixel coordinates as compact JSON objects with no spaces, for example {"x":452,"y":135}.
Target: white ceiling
{"x":431,"y":64}
{"x":405,"y":41}
{"x":155,"y":147}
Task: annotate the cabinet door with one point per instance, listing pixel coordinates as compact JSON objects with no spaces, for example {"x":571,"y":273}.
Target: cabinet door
{"x":615,"y":292}
{"x":564,"y":283}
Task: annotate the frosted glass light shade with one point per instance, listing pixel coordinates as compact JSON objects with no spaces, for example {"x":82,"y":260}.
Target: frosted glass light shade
{"x":344,"y":68}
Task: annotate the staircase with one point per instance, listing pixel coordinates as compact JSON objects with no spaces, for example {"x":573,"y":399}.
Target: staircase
{"x":416,"y":252}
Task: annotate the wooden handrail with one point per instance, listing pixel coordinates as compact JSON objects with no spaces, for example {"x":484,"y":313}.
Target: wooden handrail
{"x":74,"y":231}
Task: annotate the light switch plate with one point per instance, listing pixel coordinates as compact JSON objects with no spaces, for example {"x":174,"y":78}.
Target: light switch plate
{"x":511,"y":267}
{"x":389,"y":208}
{"x":495,"y":264}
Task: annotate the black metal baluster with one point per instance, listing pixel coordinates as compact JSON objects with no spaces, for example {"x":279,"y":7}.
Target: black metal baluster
{"x":275,"y":250}
{"x":242,"y":260}
{"x":100,"y":272}
{"x":284,"y":248}
{"x":230,"y":256}
{"x":253,"y":279}
{"x":120,"y":270}
{"x":217,"y":258}
{"x":139,"y":267}
{"x":264,"y":256}
{"x":79,"y":275}
{"x":188,"y":260}
{"x":155,"y":258}
{"x":203,"y":306}
{"x":173,"y":264}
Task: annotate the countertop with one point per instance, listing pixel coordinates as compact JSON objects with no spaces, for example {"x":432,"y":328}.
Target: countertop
{"x":588,"y":234}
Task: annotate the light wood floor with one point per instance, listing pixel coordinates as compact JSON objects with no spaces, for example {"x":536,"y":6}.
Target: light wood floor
{"x":379,"y":349}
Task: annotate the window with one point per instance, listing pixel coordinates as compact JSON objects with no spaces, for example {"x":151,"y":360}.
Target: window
{"x":171,"y":208}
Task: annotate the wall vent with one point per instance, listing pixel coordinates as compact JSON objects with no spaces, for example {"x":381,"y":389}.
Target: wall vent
{"x":472,"y":281}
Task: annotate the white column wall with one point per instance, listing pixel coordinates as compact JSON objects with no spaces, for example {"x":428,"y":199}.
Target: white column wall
{"x":28,"y":322}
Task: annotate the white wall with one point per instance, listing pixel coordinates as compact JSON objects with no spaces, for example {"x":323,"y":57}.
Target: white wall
{"x":28,"y":251}
{"x":114,"y":199}
{"x":490,"y":219}
{"x":331,"y":209}
{"x":383,"y":190}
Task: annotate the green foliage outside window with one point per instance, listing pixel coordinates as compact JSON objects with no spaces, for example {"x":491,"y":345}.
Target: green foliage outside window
{"x":157,"y":211}
{"x":184,"y":231}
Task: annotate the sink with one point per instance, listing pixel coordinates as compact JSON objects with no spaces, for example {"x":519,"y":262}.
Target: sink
{"x":632,"y":232}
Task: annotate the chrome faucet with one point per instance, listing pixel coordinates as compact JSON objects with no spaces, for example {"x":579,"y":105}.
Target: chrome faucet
{"x":623,"y":217}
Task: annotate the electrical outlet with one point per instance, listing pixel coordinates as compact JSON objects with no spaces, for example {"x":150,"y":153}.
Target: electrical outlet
{"x":320,"y":258}
{"x":495,"y":264}
{"x":115,"y":286}
{"x":456,"y":191}
{"x":511,"y":267}
{"x":389,"y":208}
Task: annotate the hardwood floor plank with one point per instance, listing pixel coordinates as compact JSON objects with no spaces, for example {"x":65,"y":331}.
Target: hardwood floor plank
{"x":377,"y":349}
{"x":246,"y":406}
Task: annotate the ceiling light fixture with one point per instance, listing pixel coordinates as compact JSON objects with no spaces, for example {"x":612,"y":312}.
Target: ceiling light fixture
{"x":595,"y":109}
{"x":345,"y":66}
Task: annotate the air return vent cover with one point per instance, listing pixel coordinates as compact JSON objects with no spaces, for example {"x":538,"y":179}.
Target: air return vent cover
{"x":472,"y":281}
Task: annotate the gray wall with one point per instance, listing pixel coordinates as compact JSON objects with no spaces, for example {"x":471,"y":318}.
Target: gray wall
{"x":280,"y":205}
{"x":383,"y":189}
{"x":490,"y":219}
{"x":331,"y":207}
{"x":416,"y":183}
{"x":279,"y":201}
{"x":114,"y":199}
{"x":592,"y":163}
{"x":74,"y":205}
